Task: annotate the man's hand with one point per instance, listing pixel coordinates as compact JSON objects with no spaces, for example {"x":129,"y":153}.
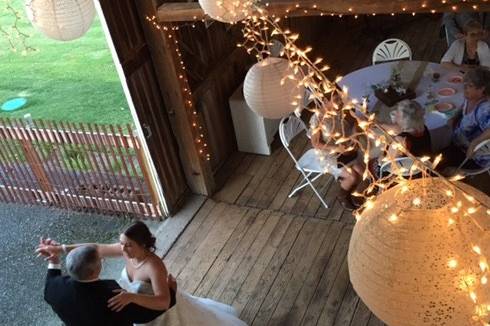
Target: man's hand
{"x":172,"y":282}
{"x":49,"y":249}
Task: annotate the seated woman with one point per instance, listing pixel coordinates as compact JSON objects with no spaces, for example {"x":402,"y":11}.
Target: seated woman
{"x":474,"y":125}
{"x":470,"y":51}
{"x":408,"y":125}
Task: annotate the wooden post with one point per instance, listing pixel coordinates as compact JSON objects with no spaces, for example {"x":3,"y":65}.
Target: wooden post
{"x":198,"y":172}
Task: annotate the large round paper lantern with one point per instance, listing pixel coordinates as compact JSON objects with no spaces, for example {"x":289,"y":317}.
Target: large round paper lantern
{"x":268,"y":93}
{"x":226,"y":11}
{"x":414,"y":257}
{"x":62,"y":20}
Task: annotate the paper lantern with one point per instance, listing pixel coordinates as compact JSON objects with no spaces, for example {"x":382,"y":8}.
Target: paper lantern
{"x":226,"y":11}
{"x":62,"y":20}
{"x":264,"y":92}
{"x":413,"y":258}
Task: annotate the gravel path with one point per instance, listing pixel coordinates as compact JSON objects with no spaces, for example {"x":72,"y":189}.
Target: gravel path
{"x":22,"y":274}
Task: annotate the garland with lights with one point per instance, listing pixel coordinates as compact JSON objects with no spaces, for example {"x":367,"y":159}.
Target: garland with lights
{"x":16,"y":39}
{"x":198,"y":129}
{"x":258,"y":31}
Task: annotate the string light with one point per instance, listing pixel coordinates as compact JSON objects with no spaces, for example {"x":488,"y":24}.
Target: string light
{"x":199,"y":138}
{"x":15,"y":37}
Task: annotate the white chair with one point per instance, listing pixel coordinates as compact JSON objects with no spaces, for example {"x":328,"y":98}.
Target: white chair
{"x":482,"y":148}
{"x":391,"y":50}
{"x":311,"y":165}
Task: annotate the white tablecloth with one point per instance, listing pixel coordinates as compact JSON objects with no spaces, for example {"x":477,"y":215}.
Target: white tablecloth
{"x":359,"y":85}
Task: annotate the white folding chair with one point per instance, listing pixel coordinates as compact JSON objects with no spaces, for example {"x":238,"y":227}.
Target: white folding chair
{"x":391,"y":50}
{"x":482,"y":148}
{"x":311,"y":165}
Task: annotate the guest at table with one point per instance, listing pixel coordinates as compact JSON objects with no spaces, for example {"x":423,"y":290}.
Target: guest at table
{"x":470,"y":51}
{"x":454,"y":23}
{"x":408,"y":125}
{"x":474,"y":125}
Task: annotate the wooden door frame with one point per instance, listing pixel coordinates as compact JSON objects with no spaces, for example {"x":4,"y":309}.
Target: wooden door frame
{"x":139,"y":130}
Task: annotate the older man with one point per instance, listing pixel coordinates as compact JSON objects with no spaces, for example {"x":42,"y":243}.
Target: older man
{"x":81,"y":298}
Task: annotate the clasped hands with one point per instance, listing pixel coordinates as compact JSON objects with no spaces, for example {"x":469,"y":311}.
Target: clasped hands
{"x":49,"y":249}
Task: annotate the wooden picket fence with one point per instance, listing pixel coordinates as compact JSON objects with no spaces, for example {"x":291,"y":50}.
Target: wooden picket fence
{"x":75,"y":166}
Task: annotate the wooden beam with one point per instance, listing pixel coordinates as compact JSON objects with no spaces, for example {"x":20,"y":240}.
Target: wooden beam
{"x":162,"y":49}
{"x":191,"y":11}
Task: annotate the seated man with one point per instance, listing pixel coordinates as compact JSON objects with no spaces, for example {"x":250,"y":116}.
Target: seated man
{"x":81,"y":298}
{"x":474,"y":125}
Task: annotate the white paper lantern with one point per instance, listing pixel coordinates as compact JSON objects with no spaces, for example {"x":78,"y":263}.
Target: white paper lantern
{"x":226,"y":11}
{"x":264,"y":93}
{"x":412,"y":259}
{"x":62,"y":20}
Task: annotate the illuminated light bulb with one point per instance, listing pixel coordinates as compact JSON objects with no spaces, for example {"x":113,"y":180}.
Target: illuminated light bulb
{"x":358,"y":217}
{"x":477,"y":249}
{"x":449,"y":193}
{"x":393,"y":218}
{"x":452,"y":263}
{"x":454,"y":210}
{"x":473,"y":296}
{"x":471,"y":210}
{"x":417,"y":201}
{"x":451,"y":221}
{"x":369,"y":204}
{"x":484,"y":280}
{"x":483,"y":265}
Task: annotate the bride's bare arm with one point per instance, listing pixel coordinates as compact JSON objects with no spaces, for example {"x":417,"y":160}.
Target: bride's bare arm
{"x":160,"y":300}
{"x":105,"y":250}
{"x":158,"y":276}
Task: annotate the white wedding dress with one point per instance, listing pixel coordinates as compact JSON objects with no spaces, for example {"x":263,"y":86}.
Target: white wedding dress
{"x":189,"y":310}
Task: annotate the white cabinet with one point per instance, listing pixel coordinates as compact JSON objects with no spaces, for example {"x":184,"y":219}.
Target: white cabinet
{"x":254,"y":134}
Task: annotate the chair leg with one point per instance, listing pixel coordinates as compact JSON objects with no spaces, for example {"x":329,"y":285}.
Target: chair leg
{"x":310,"y":183}
{"x":301,"y":185}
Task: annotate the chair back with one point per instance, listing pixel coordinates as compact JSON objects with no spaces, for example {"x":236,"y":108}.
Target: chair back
{"x":482,"y":148}
{"x":391,"y":49}
{"x":290,"y":127}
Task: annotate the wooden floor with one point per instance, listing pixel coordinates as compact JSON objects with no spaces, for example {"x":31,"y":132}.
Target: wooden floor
{"x":280,"y":260}
{"x":274,"y":268}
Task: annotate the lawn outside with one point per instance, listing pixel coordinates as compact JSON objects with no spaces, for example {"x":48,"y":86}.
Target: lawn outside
{"x":72,"y":81}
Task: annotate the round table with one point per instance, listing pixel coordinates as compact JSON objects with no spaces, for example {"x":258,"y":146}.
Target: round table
{"x":417,"y":75}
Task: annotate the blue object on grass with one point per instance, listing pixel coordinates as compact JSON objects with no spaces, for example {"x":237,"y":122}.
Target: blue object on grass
{"x":14,"y":104}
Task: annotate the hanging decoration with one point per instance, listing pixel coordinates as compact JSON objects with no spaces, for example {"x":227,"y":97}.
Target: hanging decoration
{"x":269,"y":91}
{"x":226,"y":11}
{"x":62,"y":20}
{"x":16,"y":38}
{"x":258,"y":30}
{"x":415,"y":255}
{"x":197,"y":125}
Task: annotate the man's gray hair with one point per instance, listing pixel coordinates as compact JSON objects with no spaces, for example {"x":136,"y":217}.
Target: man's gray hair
{"x":83,"y":262}
{"x":412,"y":116}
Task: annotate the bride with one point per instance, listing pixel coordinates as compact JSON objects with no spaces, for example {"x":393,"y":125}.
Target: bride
{"x":148,"y":284}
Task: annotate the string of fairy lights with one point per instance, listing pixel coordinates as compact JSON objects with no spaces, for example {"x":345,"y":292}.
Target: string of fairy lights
{"x":198,"y":129}
{"x":17,"y":39}
{"x":258,"y":31}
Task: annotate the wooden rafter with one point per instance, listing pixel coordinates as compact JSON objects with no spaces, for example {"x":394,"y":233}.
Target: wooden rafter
{"x":191,"y":11}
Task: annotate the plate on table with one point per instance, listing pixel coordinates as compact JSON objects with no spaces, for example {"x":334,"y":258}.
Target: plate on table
{"x":455,"y":79}
{"x":444,"y":106}
{"x":446,"y":91}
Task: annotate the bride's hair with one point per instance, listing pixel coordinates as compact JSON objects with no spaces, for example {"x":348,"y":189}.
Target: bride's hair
{"x":139,"y":233}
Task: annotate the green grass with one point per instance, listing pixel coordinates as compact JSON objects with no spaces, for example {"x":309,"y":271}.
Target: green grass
{"x":65,"y":81}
